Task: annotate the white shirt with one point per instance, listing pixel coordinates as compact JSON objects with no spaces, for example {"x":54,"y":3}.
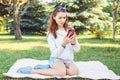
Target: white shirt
{"x":56,"y":48}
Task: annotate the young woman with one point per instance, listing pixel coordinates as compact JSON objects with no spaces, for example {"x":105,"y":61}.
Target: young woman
{"x":62,"y":46}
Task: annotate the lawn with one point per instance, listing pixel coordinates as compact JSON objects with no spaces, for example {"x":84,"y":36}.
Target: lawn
{"x":36,"y":47}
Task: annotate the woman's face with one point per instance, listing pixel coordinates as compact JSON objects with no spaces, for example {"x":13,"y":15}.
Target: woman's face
{"x":60,"y":18}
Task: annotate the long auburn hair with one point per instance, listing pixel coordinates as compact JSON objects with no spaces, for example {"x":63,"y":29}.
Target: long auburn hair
{"x":52,"y":25}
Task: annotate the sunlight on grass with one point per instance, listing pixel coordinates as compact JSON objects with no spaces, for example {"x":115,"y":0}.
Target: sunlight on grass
{"x":84,"y":36}
{"x":6,"y":37}
{"x":22,"y":46}
{"x":36,"y":47}
{"x":92,"y":36}
{"x":35,"y":37}
{"x":8,"y":43}
{"x":116,"y":36}
{"x":100,"y":45}
{"x":24,"y":37}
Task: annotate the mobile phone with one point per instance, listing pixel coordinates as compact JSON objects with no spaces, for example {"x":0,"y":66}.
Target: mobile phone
{"x":70,"y":32}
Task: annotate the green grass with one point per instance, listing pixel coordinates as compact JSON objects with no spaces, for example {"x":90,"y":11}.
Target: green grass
{"x":36,"y":47}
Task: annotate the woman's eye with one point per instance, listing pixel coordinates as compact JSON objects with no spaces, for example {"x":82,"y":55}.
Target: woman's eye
{"x":64,"y":17}
{"x":60,"y":17}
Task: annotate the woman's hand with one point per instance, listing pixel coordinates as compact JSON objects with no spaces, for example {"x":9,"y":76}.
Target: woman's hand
{"x":73,"y":39}
{"x":68,"y":39}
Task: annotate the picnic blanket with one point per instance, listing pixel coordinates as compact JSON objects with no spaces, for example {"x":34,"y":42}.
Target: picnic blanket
{"x":88,"y":69}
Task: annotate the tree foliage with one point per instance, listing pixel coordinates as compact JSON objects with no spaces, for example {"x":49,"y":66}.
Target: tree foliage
{"x":88,"y":15}
{"x":3,"y":7}
{"x":114,"y":9}
{"x":34,"y":20}
{"x":4,"y":12}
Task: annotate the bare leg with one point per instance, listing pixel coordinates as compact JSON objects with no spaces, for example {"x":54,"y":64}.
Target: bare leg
{"x":57,"y":69}
{"x":72,"y":69}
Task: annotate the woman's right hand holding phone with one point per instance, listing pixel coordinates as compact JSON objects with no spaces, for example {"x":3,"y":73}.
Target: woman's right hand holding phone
{"x":70,"y":38}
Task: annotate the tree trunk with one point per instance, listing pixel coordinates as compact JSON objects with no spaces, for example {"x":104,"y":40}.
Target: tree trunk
{"x":114,"y":23}
{"x":17,"y":30}
{"x":17,"y":17}
{"x":115,"y":7}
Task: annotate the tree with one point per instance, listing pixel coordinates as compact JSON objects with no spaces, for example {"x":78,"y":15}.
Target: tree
{"x":88,"y":15}
{"x":115,"y":6}
{"x":16,"y":9}
{"x":3,"y":5}
{"x":2,"y":24}
{"x":17,"y":14}
{"x":4,"y":12}
{"x":35,"y":18}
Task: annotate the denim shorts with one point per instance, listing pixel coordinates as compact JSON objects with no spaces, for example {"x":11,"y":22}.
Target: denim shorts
{"x":54,"y":59}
